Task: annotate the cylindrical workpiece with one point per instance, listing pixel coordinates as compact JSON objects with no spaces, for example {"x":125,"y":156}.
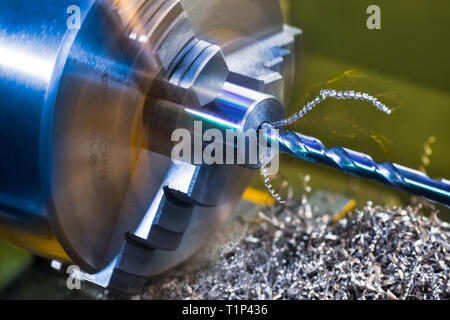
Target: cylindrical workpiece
{"x":236,"y":110}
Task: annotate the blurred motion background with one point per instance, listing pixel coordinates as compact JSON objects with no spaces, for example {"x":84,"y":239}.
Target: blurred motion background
{"x":405,"y":65}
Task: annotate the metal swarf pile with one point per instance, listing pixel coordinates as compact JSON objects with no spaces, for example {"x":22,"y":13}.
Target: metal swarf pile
{"x":373,"y":253}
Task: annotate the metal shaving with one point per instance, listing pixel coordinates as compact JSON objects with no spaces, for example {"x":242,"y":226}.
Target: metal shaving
{"x":374,"y":253}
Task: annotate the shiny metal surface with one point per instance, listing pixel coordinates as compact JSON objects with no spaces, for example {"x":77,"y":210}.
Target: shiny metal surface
{"x":157,"y":36}
{"x":361,"y":165}
{"x":235,"y":108}
{"x":82,"y":176}
{"x":69,"y":159}
{"x":30,"y":61}
{"x":212,"y":184}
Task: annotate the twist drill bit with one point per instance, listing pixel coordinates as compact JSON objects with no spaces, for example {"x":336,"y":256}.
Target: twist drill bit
{"x":361,"y":165}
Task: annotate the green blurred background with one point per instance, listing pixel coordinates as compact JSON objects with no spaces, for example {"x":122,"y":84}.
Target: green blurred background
{"x":405,"y":65}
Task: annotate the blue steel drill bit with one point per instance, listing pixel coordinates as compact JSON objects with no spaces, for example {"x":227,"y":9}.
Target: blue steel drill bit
{"x":361,"y":165}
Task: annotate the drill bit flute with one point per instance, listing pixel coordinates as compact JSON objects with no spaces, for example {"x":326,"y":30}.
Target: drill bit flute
{"x":312,"y":150}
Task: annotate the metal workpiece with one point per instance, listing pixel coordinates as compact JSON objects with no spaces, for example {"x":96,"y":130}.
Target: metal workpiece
{"x":83,"y":179}
{"x":199,"y":74}
{"x":236,"y":110}
{"x":356,"y":163}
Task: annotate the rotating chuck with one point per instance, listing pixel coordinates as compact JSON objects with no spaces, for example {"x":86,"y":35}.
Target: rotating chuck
{"x":86,"y":176}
